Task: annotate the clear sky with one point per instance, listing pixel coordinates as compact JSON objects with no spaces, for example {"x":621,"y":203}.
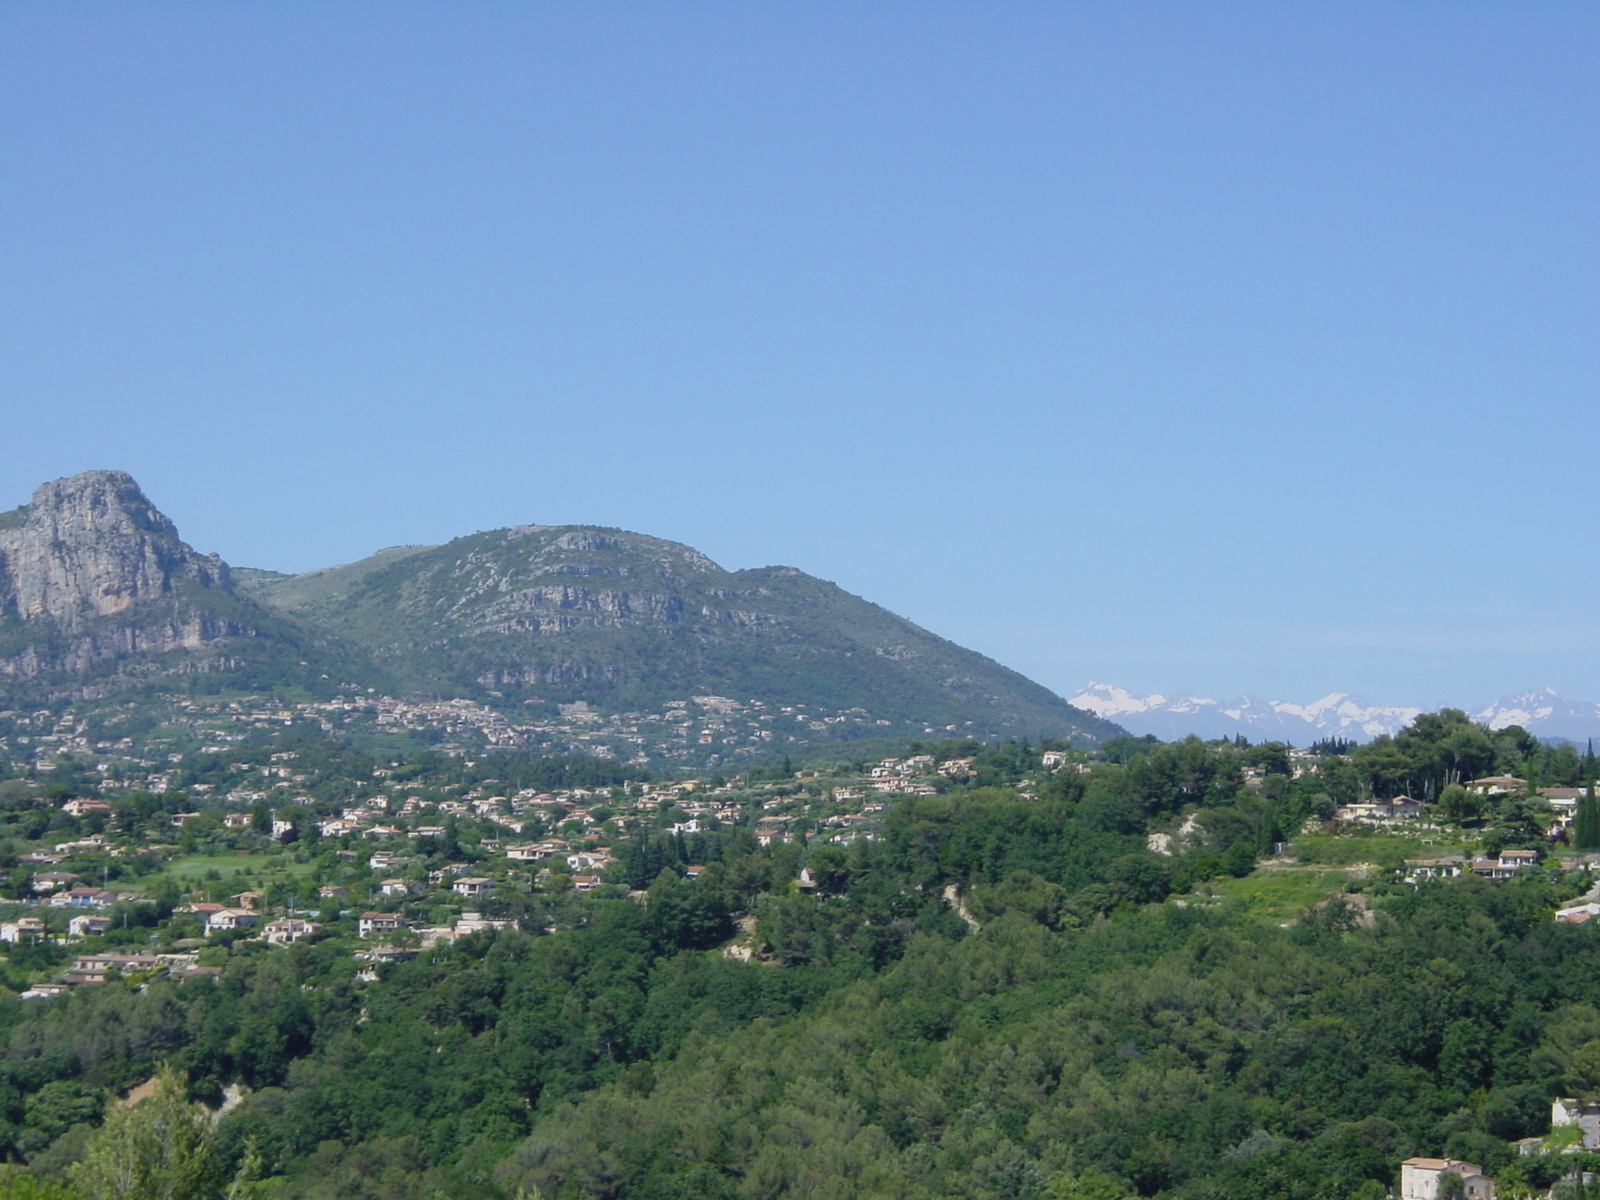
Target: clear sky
{"x":1228,"y":347}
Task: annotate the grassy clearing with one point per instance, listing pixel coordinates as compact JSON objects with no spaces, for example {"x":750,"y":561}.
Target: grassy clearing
{"x":1388,"y":849}
{"x":193,"y":867}
{"x":1280,"y":894}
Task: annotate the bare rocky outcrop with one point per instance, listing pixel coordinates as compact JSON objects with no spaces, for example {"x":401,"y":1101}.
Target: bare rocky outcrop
{"x":92,"y":545}
{"x":958,"y":905}
{"x":91,"y":572}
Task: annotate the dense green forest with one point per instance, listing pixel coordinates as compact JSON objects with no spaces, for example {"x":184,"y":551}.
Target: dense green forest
{"x":1005,"y":993}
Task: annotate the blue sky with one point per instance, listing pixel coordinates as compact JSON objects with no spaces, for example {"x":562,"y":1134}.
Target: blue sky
{"x":1228,"y":347}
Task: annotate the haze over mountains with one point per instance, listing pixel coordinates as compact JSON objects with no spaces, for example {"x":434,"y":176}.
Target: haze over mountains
{"x":98,"y":592}
{"x":1338,"y":715}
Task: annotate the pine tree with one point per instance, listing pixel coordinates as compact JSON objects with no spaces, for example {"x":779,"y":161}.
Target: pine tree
{"x":163,"y":1148}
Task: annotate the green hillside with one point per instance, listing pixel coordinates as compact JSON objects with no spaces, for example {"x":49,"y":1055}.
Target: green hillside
{"x":614,"y":618}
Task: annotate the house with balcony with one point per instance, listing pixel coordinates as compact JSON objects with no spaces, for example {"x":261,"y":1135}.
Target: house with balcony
{"x":226,"y":920}
{"x":84,"y":925}
{"x":374,"y":923}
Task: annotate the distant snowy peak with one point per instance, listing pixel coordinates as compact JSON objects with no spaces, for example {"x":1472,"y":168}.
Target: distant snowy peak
{"x":1338,"y":714}
{"x":1543,"y":713}
{"x":1335,"y":715}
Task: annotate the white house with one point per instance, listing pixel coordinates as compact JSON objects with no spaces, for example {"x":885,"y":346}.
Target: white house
{"x":82,"y":808}
{"x":288,"y":930}
{"x":1585,"y":1114}
{"x":471,"y":922}
{"x":1399,"y":808}
{"x":1577,"y":914}
{"x":1495,"y":785}
{"x":1507,"y":865}
{"x":379,"y":922}
{"x":1563,"y":799}
{"x":1419,"y":1178}
{"x":1433,"y":868}
{"x":83,"y":897}
{"x":225,"y":919}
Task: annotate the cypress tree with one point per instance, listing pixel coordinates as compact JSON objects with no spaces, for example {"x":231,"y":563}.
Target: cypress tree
{"x":1586,"y":826}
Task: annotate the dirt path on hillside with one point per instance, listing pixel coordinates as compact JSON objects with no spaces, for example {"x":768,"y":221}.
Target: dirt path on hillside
{"x":952,"y":897}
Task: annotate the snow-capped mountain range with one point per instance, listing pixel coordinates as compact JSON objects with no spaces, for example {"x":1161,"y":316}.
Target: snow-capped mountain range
{"x":1543,"y":713}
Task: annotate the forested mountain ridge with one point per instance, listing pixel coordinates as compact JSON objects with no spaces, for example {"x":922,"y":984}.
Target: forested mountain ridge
{"x":617,"y":618}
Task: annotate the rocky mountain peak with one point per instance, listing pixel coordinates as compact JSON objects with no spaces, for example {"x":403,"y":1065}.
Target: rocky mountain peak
{"x":92,"y":545}
{"x":109,"y":501}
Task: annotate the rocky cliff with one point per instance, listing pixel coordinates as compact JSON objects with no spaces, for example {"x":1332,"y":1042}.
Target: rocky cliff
{"x":97,"y":588}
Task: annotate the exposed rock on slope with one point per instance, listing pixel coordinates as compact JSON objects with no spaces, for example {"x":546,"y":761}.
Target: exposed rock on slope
{"x":615,"y":618}
{"x":97,"y":588}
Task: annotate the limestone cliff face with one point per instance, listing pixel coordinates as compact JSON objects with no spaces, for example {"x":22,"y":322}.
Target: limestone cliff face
{"x":92,"y":545}
{"x":91,"y":571}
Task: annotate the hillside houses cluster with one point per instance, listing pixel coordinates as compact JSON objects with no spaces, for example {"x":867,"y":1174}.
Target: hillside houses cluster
{"x":1574,"y":1130}
{"x":100,"y":968}
{"x":1504,"y":865}
{"x":699,"y":731}
{"x":1562,"y":803}
{"x":391,"y":839}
